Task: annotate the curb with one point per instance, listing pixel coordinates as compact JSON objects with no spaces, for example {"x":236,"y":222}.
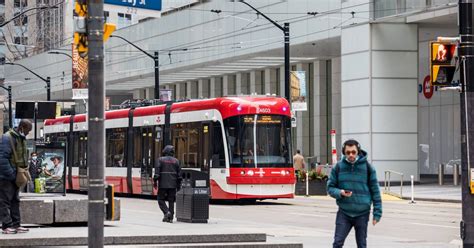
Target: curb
{"x":433,"y":200}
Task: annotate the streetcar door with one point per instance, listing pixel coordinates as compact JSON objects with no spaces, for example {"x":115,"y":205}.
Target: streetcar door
{"x":81,"y":159}
{"x":147,"y":159}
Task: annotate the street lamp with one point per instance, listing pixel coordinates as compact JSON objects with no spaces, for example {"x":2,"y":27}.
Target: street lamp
{"x":10,"y":116}
{"x":55,"y":52}
{"x":286,"y":32}
{"x":155,"y":58}
{"x":47,"y":80}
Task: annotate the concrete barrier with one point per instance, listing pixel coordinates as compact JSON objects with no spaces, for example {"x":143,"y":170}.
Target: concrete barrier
{"x":55,"y":209}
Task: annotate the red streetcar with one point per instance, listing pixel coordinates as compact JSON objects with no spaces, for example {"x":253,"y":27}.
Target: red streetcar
{"x":242,"y":145}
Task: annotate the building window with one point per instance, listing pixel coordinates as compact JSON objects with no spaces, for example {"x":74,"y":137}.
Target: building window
{"x":21,"y":40}
{"x":21,"y":21}
{"x":20,"y":3}
{"x":124,"y":20}
{"x":106,"y":15}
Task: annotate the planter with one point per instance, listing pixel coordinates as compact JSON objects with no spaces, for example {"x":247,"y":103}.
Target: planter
{"x":316,"y":187}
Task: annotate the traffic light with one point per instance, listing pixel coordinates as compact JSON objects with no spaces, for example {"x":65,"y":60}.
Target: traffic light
{"x":442,"y":63}
{"x":109,"y":28}
{"x":80,"y":27}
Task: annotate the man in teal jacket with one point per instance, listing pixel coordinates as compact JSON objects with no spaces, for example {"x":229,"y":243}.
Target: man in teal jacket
{"x":353,"y":182}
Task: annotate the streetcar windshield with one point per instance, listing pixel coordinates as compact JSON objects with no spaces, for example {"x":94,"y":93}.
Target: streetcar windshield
{"x":258,"y":141}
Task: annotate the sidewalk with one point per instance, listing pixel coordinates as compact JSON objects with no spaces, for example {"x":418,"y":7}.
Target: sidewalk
{"x":430,"y":192}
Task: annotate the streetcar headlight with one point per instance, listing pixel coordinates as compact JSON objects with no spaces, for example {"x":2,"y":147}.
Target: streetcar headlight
{"x":282,"y":172}
{"x":288,"y":172}
{"x":250,"y":173}
{"x":284,"y":109}
{"x":242,"y":173}
{"x":239,"y":108}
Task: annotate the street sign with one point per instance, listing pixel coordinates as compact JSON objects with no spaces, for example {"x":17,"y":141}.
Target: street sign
{"x":149,"y":8}
{"x":428,"y":89}
{"x":142,"y":4}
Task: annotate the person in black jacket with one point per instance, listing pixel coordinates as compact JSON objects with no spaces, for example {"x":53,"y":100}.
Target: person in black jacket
{"x":168,"y":180}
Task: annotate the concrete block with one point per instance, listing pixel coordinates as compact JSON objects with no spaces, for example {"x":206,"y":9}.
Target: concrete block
{"x":36,"y":211}
{"x":70,"y":210}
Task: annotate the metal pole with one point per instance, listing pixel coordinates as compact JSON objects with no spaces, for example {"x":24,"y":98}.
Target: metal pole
{"x":441,"y":174}
{"x":466,"y":53}
{"x":35,"y":114}
{"x":456,"y":175}
{"x":157,"y":75}
{"x":286,"y":30}
{"x":48,"y":88}
{"x":96,"y":134}
{"x":10,"y":110}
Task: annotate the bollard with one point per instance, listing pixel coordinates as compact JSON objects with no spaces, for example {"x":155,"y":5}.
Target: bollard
{"x":307,"y":183}
{"x":456,"y":175}
{"x":412,"y":189}
{"x":441,"y":174}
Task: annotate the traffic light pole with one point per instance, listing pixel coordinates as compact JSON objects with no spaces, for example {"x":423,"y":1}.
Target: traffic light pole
{"x":466,"y":53}
{"x":96,"y":115}
{"x":156,"y":58}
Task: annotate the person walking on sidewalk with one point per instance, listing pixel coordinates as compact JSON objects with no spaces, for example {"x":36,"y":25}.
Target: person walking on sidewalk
{"x":167,"y":179}
{"x":13,"y":156}
{"x":298,"y":162}
{"x":353,"y":183}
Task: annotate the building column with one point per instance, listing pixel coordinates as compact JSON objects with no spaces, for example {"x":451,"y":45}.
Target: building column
{"x":268,"y":81}
{"x":319,"y":114}
{"x":177,"y":89}
{"x":238,"y":83}
{"x":379,"y":101}
{"x":189,"y":90}
{"x":200,"y":87}
{"x":253,"y":81}
{"x":225,"y":85}
{"x":212,"y":87}
{"x":281,"y":84}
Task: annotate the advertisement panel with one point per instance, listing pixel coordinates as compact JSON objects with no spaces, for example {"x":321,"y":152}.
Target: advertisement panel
{"x":298,"y":90}
{"x":53,"y":173}
{"x":80,"y":75}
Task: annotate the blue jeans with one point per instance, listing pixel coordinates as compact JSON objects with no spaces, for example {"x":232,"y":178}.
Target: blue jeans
{"x":344,"y":225}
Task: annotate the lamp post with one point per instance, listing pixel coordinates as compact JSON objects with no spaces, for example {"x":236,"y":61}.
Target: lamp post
{"x":47,"y":80}
{"x":155,"y":58}
{"x":10,"y":116}
{"x":286,"y":32}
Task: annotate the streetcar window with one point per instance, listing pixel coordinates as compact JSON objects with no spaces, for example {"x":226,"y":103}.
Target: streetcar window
{"x":80,"y":149}
{"x":115,"y":144}
{"x":218,"y":147}
{"x":258,"y":141}
{"x":137,"y":147}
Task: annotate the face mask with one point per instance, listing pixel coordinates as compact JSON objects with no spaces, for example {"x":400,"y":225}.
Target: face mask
{"x":347,"y":160}
{"x":34,"y":158}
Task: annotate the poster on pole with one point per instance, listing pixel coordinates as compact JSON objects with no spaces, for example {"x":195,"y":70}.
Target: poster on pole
{"x":53,"y":174}
{"x":298,"y":91}
{"x":166,"y":95}
{"x":80,"y":75}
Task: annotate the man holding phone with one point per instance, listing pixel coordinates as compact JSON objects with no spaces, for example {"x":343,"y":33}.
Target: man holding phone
{"x":353,"y":183}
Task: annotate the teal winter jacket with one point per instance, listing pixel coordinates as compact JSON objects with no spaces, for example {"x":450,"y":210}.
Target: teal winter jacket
{"x":354,"y":177}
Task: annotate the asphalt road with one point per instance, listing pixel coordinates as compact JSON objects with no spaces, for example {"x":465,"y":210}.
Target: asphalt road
{"x":311,"y":221}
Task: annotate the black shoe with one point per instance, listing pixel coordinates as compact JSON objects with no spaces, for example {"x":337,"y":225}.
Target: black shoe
{"x":169,"y":217}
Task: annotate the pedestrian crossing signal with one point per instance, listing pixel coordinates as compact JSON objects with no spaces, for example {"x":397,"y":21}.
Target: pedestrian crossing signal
{"x":442,"y":63}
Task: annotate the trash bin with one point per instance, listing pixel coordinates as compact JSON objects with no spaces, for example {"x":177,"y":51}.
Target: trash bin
{"x":192,"y":201}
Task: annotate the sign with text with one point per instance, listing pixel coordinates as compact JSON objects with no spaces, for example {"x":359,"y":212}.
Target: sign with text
{"x":143,"y":4}
{"x":80,"y":75}
{"x":298,"y":90}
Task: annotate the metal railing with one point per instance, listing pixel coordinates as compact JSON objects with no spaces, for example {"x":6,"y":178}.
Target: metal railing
{"x":387,"y":180}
